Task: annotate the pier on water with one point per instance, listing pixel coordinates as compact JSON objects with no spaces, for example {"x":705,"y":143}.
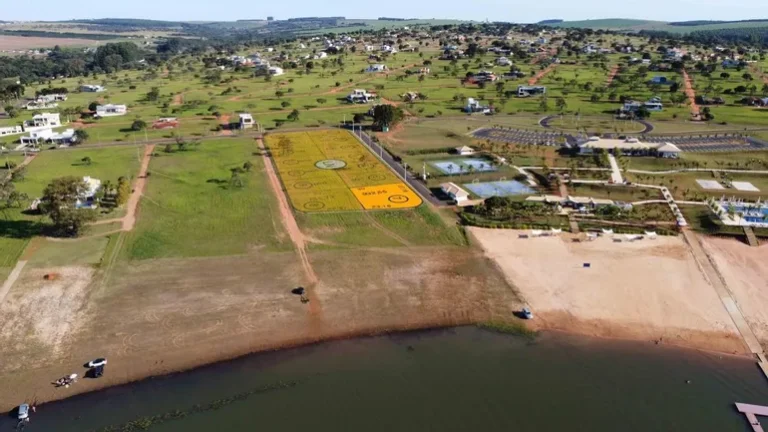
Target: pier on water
{"x":751,"y":412}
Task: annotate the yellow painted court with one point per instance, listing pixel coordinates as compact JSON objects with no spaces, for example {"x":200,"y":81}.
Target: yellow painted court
{"x":330,"y":170}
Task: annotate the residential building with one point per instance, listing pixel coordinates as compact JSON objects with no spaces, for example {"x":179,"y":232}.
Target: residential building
{"x":275,"y":71}
{"x":43,"y":120}
{"x":40,"y":104}
{"x":730,"y":63}
{"x":87,"y":198}
{"x":474,"y":106}
{"x":360,"y":96}
{"x":526,"y":91}
{"x":456,"y":193}
{"x":42,"y":136}
{"x":662,"y":80}
{"x":246,"y":121}
{"x":11,"y":130}
{"x":88,"y":88}
{"x":652,"y":105}
{"x":376,"y":68}
{"x":110,"y":110}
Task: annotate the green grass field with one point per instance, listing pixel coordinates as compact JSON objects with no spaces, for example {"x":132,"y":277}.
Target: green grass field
{"x":190,"y":210}
{"x":386,"y":228}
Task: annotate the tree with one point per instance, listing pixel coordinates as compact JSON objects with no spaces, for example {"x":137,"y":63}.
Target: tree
{"x":285,"y":104}
{"x":86,"y":160}
{"x":19,"y":174}
{"x":387,"y":115}
{"x":81,"y":135}
{"x":674,"y":87}
{"x":236,"y":180}
{"x":706,"y":113}
{"x":294,"y":115}
{"x":561,"y":104}
{"x":123,"y":191}
{"x":59,"y":201}
{"x":138,"y":125}
{"x":322,"y":101}
{"x":543,"y":103}
{"x":358,"y":118}
{"x":153,"y":94}
{"x":247,"y":166}
{"x":92,"y":106}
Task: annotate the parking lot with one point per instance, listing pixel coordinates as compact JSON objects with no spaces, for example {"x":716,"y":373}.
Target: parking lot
{"x":709,"y":144}
{"x":520,"y":136}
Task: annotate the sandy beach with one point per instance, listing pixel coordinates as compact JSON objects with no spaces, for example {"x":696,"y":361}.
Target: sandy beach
{"x":645,"y":290}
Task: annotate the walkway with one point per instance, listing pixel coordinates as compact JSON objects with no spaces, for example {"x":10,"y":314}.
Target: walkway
{"x":713,"y":276}
{"x":612,"y":75}
{"x":412,"y":181}
{"x":541,"y":74}
{"x":751,"y":411}
{"x":615,"y":170}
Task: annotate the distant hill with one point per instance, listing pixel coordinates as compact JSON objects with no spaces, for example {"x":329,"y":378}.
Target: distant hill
{"x":550,"y":21}
{"x":681,"y":27}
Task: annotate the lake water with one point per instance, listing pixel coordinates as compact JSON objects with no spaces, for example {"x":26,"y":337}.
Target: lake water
{"x":463,"y":379}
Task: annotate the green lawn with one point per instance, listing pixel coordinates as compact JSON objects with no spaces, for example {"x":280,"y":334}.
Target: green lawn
{"x":417,"y":227}
{"x":189,"y":209}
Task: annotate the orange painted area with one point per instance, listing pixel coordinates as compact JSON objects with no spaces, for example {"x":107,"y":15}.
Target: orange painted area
{"x":382,"y":197}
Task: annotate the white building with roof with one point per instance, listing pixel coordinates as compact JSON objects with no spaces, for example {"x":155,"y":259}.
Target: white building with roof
{"x":110,"y":110}
{"x":246,"y":121}
{"x":629,"y":146}
{"x":42,"y":121}
{"x":455,"y":192}
{"x":42,"y":136}
{"x":89,"y":88}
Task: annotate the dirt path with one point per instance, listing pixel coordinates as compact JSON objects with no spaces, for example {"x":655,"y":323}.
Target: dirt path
{"x":688,"y":84}
{"x":289,"y":222}
{"x":138,"y":190}
{"x":224,"y":121}
{"x":336,"y":90}
{"x":541,"y":74}
{"x":756,"y":70}
{"x":612,"y":75}
{"x":11,"y":279}
{"x":178,"y":99}
{"x":129,"y":220}
{"x":23,"y":163}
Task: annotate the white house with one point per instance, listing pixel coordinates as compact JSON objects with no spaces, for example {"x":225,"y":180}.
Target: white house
{"x":369,"y":48}
{"x":629,"y":146}
{"x":40,"y":104}
{"x":455,"y":192}
{"x":465,"y":150}
{"x":48,"y":135}
{"x":376,"y":68}
{"x":321,"y":55}
{"x":360,"y":96}
{"x":92,"y":88}
{"x":503,"y":61}
{"x":246,"y":121}
{"x":275,"y":71}
{"x":388,"y":49}
{"x":110,"y":110}
{"x":43,"y":120}
{"x":525,"y":91}
{"x":11,"y":130}
{"x":87,"y":197}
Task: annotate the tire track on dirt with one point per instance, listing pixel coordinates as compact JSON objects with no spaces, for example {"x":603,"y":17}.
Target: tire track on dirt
{"x":296,"y":236}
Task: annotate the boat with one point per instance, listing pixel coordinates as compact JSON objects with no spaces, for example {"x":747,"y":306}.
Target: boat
{"x":527,"y":314}
{"x":23,"y":411}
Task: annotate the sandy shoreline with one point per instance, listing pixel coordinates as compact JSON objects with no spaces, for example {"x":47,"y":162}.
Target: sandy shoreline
{"x":121,"y":373}
{"x":651,"y":292}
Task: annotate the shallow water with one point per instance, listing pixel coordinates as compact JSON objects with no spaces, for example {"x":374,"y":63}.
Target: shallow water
{"x":463,"y":379}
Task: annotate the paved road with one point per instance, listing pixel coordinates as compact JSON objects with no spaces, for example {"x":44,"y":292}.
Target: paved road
{"x":412,"y":181}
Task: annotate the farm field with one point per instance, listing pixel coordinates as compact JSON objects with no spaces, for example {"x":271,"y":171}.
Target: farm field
{"x":190,"y":207}
{"x":331,"y":171}
{"x":18,"y":43}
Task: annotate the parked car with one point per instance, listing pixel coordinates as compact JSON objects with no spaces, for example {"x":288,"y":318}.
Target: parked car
{"x":23,"y":411}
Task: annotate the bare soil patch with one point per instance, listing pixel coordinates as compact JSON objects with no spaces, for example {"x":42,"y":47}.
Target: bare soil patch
{"x":25,"y":43}
{"x":647,"y":290}
{"x":745,"y":273}
{"x":161,"y":316}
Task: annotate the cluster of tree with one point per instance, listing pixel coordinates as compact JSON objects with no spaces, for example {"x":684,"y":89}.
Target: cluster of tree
{"x":754,"y":36}
{"x":51,"y":90}
{"x":74,"y":62}
{"x":506,"y":208}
